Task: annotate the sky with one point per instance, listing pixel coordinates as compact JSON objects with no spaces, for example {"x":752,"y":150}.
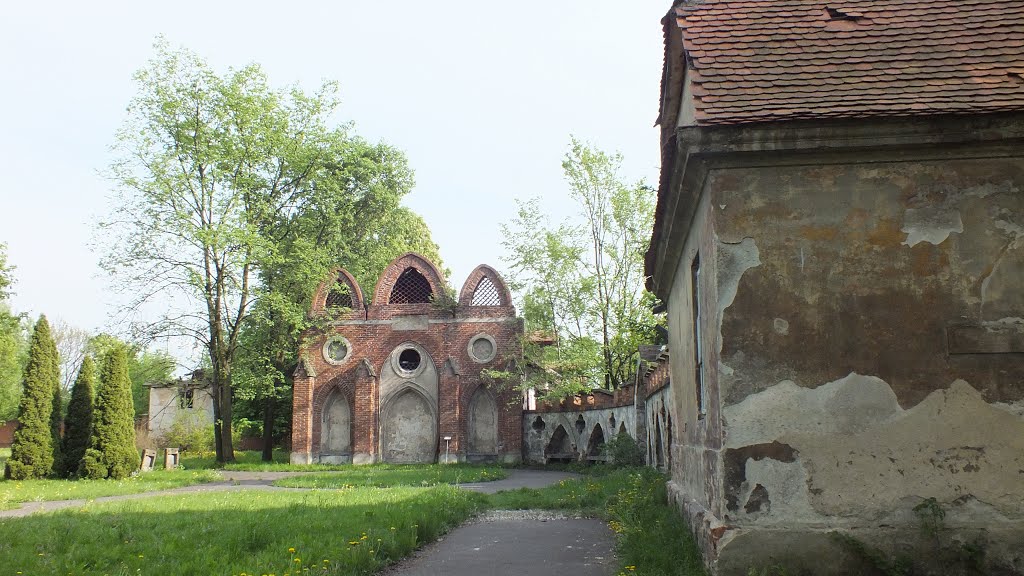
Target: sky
{"x":482,"y":98}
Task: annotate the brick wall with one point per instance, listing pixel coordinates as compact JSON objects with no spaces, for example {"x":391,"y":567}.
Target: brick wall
{"x":7,"y":433}
{"x":444,"y":334}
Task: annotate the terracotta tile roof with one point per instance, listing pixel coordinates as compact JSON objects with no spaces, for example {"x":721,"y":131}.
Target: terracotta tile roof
{"x":767,"y":60}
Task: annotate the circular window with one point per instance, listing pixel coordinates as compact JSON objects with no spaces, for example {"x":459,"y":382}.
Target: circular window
{"x":336,"y":350}
{"x":482,"y":348}
{"x":409,"y":360}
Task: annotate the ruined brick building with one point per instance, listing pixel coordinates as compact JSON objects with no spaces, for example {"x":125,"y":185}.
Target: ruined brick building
{"x":397,"y":378}
{"x":839,"y":238}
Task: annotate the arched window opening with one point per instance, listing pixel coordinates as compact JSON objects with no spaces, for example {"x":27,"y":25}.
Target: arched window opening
{"x":486,"y":294}
{"x":560,"y":448}
{"x":595,"y":447}
{"x":340,"y":296}
{"x":411,"y":288}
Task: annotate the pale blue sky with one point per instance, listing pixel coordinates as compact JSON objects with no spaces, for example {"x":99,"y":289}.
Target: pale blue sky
{"x":481,"y":97}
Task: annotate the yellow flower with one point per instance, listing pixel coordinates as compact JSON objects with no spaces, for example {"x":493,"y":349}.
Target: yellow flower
{"x":299,"y":560}
{"x":291,"y":550}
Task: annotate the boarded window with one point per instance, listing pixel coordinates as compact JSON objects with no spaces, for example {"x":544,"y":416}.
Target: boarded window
{"x":486,"y":294}
{"x":411,"y":288}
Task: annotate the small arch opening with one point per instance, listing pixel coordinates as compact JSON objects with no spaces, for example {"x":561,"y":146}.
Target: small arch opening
{"x":411,"y":288}
{"x":581,"y":424}
{"x":486,"y":293}
{"x":595,"y":447}
{"x":340,"y":296}
{"x":560,"y":448}
{"x":538,"y":424}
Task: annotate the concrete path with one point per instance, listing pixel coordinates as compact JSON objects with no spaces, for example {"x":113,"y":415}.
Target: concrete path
{"x":520,"y":479}
{"x":507,"y":542}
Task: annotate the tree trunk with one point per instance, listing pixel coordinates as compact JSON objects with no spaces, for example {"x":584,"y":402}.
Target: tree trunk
{"x":268,"y":429}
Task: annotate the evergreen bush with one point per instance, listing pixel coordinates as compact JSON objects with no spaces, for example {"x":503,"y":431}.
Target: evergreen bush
{"x":78,"y":425}
{"x":112,"y":452}
{"x":32,"y":449}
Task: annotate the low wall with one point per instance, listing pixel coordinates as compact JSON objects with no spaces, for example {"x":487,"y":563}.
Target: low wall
{"x":576,"y":428}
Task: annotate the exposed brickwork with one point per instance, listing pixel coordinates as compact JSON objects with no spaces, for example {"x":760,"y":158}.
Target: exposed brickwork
{"x":444,"y":333}
{"x":596,"y":400}
{"x":7,"y":433}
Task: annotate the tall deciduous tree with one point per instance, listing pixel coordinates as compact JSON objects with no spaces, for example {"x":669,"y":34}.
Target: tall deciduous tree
{"x":207,"y":162}
{"x":352,"y":217}
{"x":6,"y":276}
{"x":583,"y":282}
{"x":13,"y":344}
{"x":71,"y":342}
{"x":78,"y":424}
{"x":112,"y":452}
{"x":32,"y":449}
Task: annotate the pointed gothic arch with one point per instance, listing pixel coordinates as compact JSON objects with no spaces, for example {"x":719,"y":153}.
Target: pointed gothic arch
{"x":339,"y":292}
{"x":413,"y":276}
{"x":482,"y":425}
{"x":484,"y":287}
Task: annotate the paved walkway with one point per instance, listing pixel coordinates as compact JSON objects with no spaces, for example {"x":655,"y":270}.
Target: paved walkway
{"x":508,"y":542}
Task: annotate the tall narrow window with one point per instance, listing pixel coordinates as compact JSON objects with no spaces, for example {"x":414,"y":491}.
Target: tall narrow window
{"x":698,"y":347}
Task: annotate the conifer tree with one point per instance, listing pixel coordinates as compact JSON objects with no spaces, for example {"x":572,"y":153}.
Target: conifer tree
{"x":78,"y":425}
{"x":56,"y":416}
{"x":111,"y":452}
{"x":32,"y":449}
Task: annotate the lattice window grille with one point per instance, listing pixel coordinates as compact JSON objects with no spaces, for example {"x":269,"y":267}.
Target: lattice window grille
{"x":486,"y":293}
{"x":411,"y":288}
{"x":340,"y":296}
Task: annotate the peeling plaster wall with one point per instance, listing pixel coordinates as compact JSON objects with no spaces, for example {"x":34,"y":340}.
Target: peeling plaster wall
{"x":865,"y":353}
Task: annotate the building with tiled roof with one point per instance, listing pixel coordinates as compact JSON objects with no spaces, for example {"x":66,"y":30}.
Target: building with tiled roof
{"x":839,"y":238}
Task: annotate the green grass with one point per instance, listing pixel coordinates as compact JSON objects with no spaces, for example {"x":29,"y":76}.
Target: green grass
{"x":384,"y":475}
{"x":354,"y":531}
{"x":651,"y":537}
{"x":15,"y":492}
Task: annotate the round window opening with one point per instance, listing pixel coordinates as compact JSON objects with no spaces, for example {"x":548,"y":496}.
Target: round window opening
{"x":409,"y":360}
{"x":482,"y":348}
{"x":336,"y":350}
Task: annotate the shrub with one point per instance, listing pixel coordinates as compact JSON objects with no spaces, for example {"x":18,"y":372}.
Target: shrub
{"x":112,"y":452}
{"x":78,"y":426}
{"x":190,"y":431}
{"x":32,"y":449}
{"x":622,"y":450}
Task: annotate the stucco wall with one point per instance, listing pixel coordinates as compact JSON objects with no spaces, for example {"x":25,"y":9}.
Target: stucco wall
{"x":164,"y":409}
{"x":865,"y":354}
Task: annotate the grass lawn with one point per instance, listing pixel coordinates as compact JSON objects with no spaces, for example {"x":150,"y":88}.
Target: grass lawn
{"x":384,"y":475}
{"x":14,"y":492}
{"x":354,"y":531}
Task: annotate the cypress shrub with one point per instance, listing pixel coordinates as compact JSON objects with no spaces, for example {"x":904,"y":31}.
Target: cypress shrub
{"x":32,"y":449}
{"x":78,"y":424}
{"x":56,"y":417}
{"x":111,"y":452}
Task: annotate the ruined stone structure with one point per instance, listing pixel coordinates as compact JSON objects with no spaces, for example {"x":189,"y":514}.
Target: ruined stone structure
{"x":840,"y":241}
{"x":577,"y":428}
{"x":398,"y":378}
